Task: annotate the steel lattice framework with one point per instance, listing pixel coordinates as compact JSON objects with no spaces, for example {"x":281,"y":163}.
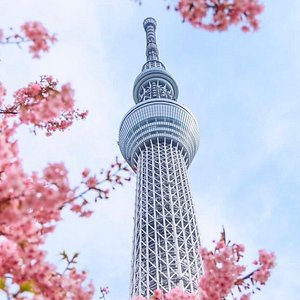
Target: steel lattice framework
{"x":159,"y":138}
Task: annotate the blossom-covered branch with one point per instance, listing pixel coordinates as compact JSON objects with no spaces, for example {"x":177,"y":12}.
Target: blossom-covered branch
{"x":44,"y":105}
{"x":223,"y":271}
{"x":33,"y":34}
{"x":98,"y":186}
{"x":218,"y":15}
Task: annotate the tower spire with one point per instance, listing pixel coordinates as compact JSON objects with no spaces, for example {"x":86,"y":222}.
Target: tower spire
{"x":151,"y":48}
{"x":154,"y":81}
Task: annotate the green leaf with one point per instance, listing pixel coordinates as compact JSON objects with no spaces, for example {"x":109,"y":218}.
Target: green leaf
{"x":27,"y":286}
{"x":64,"y":255}
{"x":2,"y":283}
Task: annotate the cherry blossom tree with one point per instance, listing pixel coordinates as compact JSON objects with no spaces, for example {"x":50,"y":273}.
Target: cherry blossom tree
{"x":32,"y":204}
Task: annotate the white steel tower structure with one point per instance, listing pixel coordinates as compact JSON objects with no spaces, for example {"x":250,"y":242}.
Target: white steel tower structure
{"x":159,"y":139}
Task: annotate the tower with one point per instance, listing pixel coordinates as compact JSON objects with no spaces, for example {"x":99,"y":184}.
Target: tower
{"x":159,"y":138}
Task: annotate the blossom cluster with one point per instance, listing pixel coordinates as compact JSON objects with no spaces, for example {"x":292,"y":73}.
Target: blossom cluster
{"x":218,"y":15}
{"x":44,"y":105}
{"x":34,"y":34}
{"x":221,"y":270}
{"x":38,"y":36}
{"x":266,"y":262}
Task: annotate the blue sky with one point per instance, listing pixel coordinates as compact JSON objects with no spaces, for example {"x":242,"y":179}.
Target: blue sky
{"x":242,"y":88}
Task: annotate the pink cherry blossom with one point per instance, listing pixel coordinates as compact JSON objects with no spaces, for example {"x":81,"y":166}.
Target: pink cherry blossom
{"x":92,"y":182}
{"x":2,"y":93}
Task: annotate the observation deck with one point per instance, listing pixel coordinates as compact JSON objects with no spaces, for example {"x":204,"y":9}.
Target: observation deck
{"x":158,"y":120}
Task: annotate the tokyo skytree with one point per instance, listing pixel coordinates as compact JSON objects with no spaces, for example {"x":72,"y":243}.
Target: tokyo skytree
{"x":159,"y":138}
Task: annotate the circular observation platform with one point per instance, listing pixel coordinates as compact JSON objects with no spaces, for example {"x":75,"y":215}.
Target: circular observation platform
{"x":158,"y":119}
{"x":157,"y":75}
